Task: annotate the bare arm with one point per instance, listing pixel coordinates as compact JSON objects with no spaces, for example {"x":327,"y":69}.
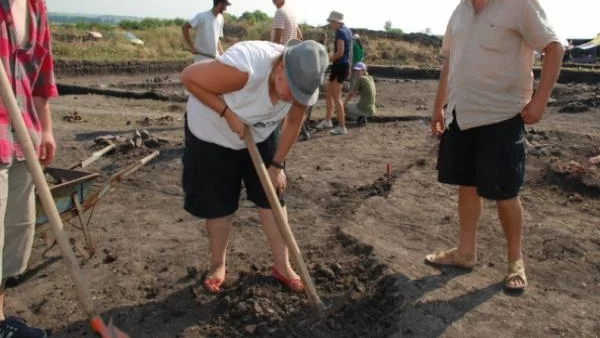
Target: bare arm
{"x":340,"y":51}
{"x":437,"y":118}
{"x":48,"y":145}
{"x":42,"y":107}
{"x":348,"y":98}
{"x":220,"y":48}
{"x":533,"y":112}
{"x":553,"y":55}
{"x":278,"y":36}
{"x":299,"y":34}
{"x":185,"y":29}
{"x":442,"y":91}
{"x":290,"y":131}
{"x":198,"y":79}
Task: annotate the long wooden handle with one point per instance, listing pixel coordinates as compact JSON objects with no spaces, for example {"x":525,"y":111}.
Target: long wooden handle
{"x":282,"y":224}
{"x":45,"y":196}
{"x":95,"y":156}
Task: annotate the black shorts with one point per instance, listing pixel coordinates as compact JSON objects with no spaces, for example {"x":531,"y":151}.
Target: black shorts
{"x":491,"y":158}
{"x":339,"y":72}
{"x":213,"y":176}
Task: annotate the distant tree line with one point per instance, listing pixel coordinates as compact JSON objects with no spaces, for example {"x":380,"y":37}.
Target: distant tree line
{"x":150,"y":23}
{"x":111,"y":22}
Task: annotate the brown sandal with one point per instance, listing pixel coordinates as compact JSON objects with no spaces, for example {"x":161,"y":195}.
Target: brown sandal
{"x":516,"y":271}
{"x":451,"y":258}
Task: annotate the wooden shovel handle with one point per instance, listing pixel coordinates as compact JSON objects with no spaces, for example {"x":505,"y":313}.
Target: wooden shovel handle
{"x":45,"y":196}
{"x":280,"y":220}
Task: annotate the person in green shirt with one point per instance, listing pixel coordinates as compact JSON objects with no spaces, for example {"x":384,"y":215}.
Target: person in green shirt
{"x":358,"y":51}
{"x":358,"y":55}
{"x":365,"y":89}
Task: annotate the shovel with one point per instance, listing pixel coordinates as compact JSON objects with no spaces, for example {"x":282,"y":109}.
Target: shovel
{"x":83,"y":290}
{"x":320,"y":310}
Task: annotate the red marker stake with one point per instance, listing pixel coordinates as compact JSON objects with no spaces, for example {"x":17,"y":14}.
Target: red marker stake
{"x":389,"y":170}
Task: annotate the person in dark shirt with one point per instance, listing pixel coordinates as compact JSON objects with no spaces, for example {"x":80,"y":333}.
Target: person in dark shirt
{"x":339,"y":73}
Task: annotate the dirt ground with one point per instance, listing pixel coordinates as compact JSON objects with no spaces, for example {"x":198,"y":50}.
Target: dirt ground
{"x":357,"y":229}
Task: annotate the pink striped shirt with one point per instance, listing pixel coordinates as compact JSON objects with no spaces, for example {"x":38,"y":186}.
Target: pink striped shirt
{"x":286,"y":21}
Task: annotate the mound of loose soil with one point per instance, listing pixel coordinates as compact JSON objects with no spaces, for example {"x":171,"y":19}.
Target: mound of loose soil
{"x":575,"y":177}
{"x":73,"y":117}
{"x":257,"y":306}
{"x":577,"y":98}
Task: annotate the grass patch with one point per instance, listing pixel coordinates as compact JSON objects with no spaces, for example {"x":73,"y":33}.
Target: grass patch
{"x":165,"y":43}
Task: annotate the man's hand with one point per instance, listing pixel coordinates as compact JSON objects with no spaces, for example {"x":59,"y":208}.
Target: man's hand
{"x":47,"y":148}
{"x":235,"y":124}
{"x":534,"y":110}
{"x":278,"y":179}
{"x":437,"y":122}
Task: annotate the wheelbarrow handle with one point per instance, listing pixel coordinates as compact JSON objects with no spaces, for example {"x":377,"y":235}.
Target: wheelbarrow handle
{"x":282,"y":224}
{"x":135,"y":166}
{"x":45,"y":196}
{"x":95,"y":156}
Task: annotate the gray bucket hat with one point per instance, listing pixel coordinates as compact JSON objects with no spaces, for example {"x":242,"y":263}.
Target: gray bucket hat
{"x":304,"y":64}
{"x":335,"y":16}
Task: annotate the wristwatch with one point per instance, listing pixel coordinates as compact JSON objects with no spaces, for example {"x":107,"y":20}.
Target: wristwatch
{"x":278,"y":165}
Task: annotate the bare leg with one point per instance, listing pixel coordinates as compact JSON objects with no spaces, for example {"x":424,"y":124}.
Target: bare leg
{"x":218,"y":238}
{"x":339,"y":103}
{"x":330,"y":100}
{"x":281,"y":256}
{"x":2,"y":289}
{"x":469,"y":210}
{"x":510,"y":213}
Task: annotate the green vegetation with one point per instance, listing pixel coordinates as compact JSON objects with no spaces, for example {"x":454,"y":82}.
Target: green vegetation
{"x":150,"y":23}
{"x":163,"y":43}
{"x":163,"y":40}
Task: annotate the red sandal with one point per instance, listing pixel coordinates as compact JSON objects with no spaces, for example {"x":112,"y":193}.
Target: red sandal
{"x":213,"y":285}
{"x":295,"y":285}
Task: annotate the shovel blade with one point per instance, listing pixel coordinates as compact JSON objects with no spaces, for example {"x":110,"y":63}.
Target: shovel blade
{"x":106,"y":331}
{"x":321,"y":311}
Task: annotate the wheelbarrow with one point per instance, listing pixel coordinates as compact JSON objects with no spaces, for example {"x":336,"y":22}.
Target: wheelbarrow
{"x":72,"y":193}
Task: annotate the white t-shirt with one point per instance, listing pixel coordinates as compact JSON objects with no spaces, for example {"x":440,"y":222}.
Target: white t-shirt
{"x":209,"y":28}
{"x":252,"y":103}
{"x":285,"y":20}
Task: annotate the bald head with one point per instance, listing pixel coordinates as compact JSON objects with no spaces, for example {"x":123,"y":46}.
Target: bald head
{"x":278,"y":3}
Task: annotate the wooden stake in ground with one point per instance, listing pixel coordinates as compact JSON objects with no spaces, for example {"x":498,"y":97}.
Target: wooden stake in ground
{"x":33,"y":164}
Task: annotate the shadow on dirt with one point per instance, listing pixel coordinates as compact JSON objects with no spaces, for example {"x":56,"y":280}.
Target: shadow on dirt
{"x":383,"y":303}
{"x":394,"y":310}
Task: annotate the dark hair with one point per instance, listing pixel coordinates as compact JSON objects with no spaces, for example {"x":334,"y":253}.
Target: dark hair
{"x":358,"y":42}
{"x":218,"y":2}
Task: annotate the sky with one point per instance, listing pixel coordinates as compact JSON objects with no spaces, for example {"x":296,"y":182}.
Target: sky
{"x":570,"y":18}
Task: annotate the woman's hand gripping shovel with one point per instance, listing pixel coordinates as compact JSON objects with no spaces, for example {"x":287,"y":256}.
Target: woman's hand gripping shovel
{"x":320,"y":310}
{"x":83,"y":290}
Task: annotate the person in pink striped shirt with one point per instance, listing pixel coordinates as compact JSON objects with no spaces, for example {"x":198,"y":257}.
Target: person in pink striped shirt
{"x":285,"y":27}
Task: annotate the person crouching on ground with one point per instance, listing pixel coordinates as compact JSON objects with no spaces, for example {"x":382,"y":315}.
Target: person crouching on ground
{"x":254,"y":83}
{"x":365,"y":88}
{"x":358,"y":55}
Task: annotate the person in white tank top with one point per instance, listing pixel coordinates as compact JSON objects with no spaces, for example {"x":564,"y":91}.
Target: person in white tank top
{"x":256,"y":84}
